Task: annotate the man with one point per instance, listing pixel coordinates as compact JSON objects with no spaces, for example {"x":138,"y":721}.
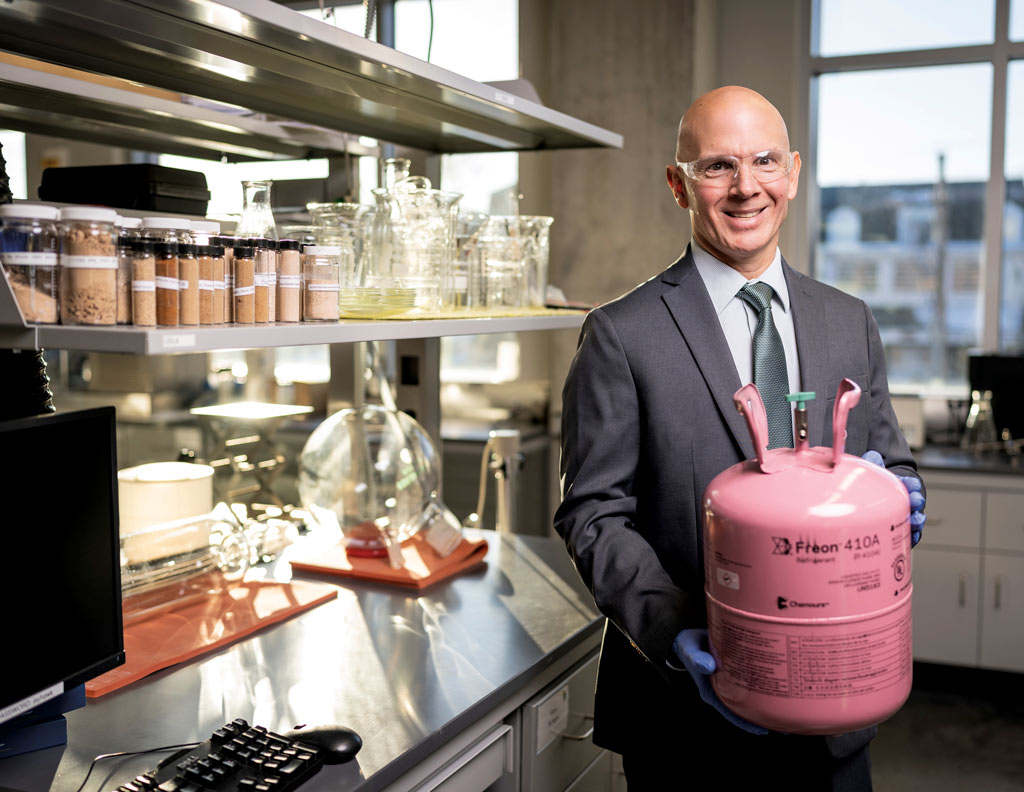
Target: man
{"x":648,"y":421}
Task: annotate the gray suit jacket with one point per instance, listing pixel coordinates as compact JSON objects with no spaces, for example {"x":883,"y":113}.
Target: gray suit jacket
{"x":648,"y":420}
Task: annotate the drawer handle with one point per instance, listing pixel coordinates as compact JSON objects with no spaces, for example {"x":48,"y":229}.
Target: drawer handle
{"x":997,"y":601}
{"x":587,"y":734}
{"x":963,"y":589}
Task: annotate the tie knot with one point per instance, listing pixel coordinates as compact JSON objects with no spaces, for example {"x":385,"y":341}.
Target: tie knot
{"x":758,"y":294}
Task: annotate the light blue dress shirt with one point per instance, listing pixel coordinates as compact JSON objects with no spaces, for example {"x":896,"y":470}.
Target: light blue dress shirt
{"x":739,"y":319}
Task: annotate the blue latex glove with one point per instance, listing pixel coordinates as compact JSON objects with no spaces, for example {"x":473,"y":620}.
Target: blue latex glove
{"x":691,"y":646}
{"x":913,"y":485}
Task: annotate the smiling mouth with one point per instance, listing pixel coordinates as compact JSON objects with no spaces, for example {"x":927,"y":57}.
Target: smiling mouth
{"x":745,"y":215}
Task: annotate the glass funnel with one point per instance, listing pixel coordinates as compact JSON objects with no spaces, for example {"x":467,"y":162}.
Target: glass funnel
{"x":257,"y":218}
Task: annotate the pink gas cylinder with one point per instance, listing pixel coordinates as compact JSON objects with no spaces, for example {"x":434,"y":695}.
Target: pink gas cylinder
{"x":807,"y":576}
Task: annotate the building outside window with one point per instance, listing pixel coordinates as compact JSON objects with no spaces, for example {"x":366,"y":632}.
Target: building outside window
{"x":918,"y":166}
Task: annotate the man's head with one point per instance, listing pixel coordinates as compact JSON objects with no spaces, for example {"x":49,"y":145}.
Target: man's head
{"x":737,"y":202}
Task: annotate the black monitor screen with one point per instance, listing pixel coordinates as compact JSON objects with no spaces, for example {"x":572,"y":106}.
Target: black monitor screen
{"x":60,"y":588}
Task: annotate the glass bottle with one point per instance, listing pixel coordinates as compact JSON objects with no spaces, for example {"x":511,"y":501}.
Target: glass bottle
{"x":257,"y":218}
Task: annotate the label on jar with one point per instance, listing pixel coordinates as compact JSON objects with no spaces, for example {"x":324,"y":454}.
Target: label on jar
{"x":89,"y":262}
{"x":163,"y":282}
{"x":143,"y":286}
{"x":206,"y":285}
{"x":272,"y":278}
{"x":290,"y":281}
{"x":26,"y":259}
{"x":241,"y":291}
{"x":218,"y":285}
{"x":229,"y":279}
{"x":183,"y":284}
{"x":262,"y":279}
{"x":328,"y":287}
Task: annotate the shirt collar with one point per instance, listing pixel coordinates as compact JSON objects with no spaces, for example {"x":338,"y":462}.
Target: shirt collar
{"x":722,"y":281}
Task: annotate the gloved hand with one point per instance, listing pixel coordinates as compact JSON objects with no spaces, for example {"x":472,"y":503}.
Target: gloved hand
{"x":913,"y":485}
{"x":691,"y":646}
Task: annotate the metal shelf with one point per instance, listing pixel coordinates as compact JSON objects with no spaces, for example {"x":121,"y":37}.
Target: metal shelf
{"x":271,"y":59}
{"x":52,"y":104}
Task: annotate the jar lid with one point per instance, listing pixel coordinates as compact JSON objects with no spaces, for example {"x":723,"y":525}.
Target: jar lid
{"x":257,"y":242}
{"x":29,"y":211}
{"x":288,"y":244}
{"x":322,"y":250}
{"x":176,"y":223}
{"x":206,"y":226}
{"x":205,"y":250}
{"x":146,"y":246}
{"x":185,"y":249}
{"x":218,"y":251}
{"x":94,"y":213}
{"x":243,"y":252}
{"x":166,"y":248}
{"x":130,"y":222}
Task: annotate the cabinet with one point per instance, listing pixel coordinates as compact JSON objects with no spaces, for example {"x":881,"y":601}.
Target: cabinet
{"x":969,"y":572}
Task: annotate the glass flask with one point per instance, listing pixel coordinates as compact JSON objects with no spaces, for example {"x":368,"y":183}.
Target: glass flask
{"x":257,"y":218}
{"x":372,"y":471}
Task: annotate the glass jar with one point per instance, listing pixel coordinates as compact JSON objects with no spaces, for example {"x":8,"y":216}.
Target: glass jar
{"x":207,"y":286}
{"x":143,"y":282}
{"x":128,"y":232}
{"x":204,"y":231}
{"x":289,"y":281}
{"x":167,"y":283}
{"x":228,"y":244}
{"x":88,"y":265}
{"x":168,"y":229}
{"x":321,"y":280}
{"x":219,"y":283}
{"x":28,"y":250}
{"x":263,"y":262}
{"x":188,"y":285}
{"x":244,"y":291}
{"x":257,"y":218}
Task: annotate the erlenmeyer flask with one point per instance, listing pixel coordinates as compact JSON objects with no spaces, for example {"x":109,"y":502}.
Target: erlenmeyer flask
{"x":257,"y":218}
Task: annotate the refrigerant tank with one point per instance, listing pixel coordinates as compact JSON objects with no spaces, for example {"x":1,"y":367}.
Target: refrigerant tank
{"x":807,"y":577}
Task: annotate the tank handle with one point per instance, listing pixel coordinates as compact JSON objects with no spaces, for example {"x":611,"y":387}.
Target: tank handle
{"x":749,"y":404}
{"x":847,"y":397}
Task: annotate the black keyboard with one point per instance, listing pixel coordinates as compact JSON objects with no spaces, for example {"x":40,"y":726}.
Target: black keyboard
{"x":236,"y":757}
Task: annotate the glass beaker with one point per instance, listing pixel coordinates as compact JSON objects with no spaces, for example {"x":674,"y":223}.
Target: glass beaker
{"x":345,"y":226}
{"x":413,"y":242}
{"x":465,"y":281}
{"x":257,"y":218}
{"x":514,"y":260}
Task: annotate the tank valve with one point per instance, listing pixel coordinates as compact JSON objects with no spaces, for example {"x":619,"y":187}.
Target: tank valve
{"x":800,"y":414}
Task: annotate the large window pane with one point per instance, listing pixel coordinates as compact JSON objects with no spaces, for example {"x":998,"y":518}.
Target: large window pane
{"x":1017,"y":20}
{"x":854,"y":27}
{"x":902,"y":164}
{"x":1011,"y":315}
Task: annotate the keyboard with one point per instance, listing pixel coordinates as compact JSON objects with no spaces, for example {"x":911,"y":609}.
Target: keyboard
{"x":237,"y":756}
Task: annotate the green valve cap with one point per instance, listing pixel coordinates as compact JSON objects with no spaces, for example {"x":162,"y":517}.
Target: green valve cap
{"x":800,"y":398}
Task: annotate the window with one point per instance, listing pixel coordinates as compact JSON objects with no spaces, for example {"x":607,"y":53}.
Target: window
{"x":907,"y":164}
{"x":13,"y":153}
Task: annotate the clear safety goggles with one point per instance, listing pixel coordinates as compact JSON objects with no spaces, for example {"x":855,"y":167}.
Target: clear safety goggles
{"x":765,"y":166}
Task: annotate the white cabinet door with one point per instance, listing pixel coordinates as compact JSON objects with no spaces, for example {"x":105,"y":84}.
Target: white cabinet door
{"x":945,"y":605}
{"x":1004,"y":521}
{"x":1002,"y":619}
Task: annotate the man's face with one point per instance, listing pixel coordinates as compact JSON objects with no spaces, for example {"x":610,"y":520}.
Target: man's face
{"x":736,"y":219}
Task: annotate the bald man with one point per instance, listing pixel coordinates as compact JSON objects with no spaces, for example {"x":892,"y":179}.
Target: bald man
{"x":648,"y":421}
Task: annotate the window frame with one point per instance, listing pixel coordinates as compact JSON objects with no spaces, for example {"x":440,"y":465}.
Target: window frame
{"x":998,"y":54}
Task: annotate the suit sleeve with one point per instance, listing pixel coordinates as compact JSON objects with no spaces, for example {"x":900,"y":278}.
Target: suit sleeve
{"x":884,"y":435}
{"x":601,"y":447}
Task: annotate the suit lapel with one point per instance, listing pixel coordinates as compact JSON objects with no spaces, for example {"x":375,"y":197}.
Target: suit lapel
{"x":695,"y":316}
{"x":811,"y":329}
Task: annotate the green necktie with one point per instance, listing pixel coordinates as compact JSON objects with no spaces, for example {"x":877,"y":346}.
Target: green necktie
{"x":770,"y":375}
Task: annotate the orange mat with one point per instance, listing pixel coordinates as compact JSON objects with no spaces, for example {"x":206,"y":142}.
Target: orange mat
{"x":199,"y":627}
{"x":423,"y":566}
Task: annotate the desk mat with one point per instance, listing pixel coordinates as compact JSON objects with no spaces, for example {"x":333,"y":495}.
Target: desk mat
{"x":200,"y":627}
{"x":423,"y":566}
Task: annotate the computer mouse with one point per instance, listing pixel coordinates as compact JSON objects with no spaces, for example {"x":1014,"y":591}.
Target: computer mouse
{"x":339,"y":743}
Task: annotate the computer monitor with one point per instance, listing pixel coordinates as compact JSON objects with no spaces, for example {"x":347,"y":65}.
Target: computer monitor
{"x":60,"y":581}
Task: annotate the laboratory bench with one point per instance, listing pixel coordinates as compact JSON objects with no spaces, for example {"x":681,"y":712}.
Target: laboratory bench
{"x":482,"y":681}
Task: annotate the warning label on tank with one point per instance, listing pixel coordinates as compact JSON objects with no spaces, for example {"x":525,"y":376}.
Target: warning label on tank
{"x":814,"y":666}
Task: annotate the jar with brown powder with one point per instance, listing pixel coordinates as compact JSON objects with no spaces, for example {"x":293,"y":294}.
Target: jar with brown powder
{"x":218,"y":283}
{"x":228,"y":243}
{"x":28,"y":250}
{"x":263,"y":257}
{"x":128,"y":232}
{"x":188,"y":285}
{"x":207,"y":287}
{"x":167,"y":283}
{"x":143,"y":282}
{"x":244,"y":296}
{"x":289,"y":281}
{"x":321,"y":273}
{"x":88,"y":265}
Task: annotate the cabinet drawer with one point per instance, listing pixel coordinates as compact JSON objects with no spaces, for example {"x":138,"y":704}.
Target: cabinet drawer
{"x":557,"y":724}
{"x":954,"y":517}
{"x":476,"y":767}
{"x":1004,"y":521}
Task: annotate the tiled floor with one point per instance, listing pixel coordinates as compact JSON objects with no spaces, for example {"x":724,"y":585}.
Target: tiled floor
{"x":961,"y":730}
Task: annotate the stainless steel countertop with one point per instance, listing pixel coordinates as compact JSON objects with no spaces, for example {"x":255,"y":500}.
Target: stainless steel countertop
{"x":406,"y":672}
